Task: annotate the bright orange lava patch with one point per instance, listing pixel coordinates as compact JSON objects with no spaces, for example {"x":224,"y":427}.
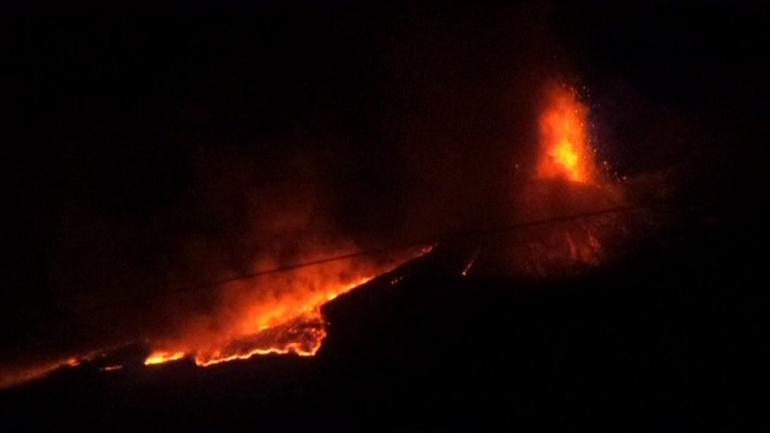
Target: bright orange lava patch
{"x":565,"y":150}
{"x":160,"y":357}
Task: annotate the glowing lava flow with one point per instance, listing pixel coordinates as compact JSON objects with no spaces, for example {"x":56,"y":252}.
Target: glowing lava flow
{"x":160,"y":357}
{"x":278,"y":314}
{"x":10,"y":376}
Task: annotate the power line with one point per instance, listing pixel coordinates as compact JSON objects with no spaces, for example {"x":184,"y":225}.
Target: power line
{"x":477,"y":233}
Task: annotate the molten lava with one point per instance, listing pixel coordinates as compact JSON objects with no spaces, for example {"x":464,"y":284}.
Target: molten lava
{"x":15,"y":375}
{"x":565,"y":180}
{"x":159,"y":357}
{"x":564,"y":144}
{"x":277,"y":314}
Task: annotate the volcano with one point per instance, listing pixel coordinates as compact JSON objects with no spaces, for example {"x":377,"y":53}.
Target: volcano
{"x":384,"y":217}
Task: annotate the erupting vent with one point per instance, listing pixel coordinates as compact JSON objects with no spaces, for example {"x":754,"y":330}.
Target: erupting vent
{"x":566,"y":180}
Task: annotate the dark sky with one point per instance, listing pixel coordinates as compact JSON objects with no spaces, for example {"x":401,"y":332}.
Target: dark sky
{"x":148,"y":149}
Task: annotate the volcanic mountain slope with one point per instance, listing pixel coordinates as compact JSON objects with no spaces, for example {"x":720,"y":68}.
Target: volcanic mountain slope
{"x":657,"y":338}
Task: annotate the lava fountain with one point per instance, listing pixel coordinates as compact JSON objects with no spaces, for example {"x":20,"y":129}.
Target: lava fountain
{"x":565,"y":180}
{"x":565,"y":152}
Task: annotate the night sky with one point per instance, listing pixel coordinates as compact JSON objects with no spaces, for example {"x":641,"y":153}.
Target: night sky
{"x":147,"y":149}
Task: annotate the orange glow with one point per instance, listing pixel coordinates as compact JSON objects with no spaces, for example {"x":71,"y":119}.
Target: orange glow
{"x":160,"y":357}
{"x":565,"y":150}
{"x":566,"y":180}
{"x":275,"y":314}
{"x":467,"y":268}
{"x":10,"y":376}
{"x":109,"y":368}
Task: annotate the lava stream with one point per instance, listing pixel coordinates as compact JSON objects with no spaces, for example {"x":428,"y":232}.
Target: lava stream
{"x":278,"y":314}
